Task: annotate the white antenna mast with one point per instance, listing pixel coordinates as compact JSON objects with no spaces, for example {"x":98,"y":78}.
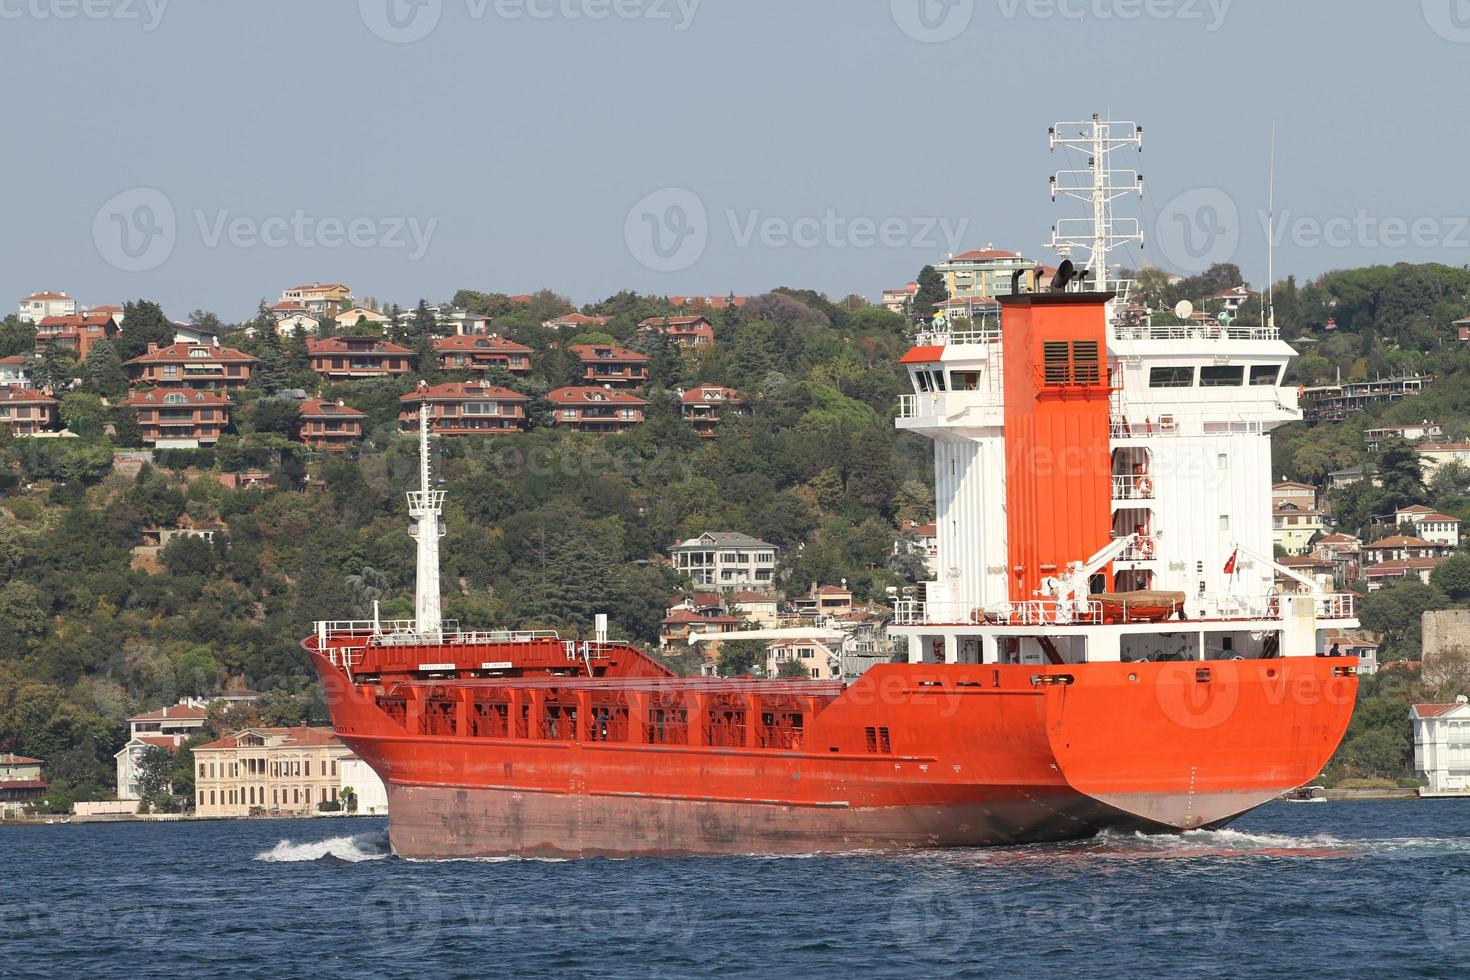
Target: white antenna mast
{"x":1099,"y":185}
{"x":425,"y":505}
{"x":1269,"y":320}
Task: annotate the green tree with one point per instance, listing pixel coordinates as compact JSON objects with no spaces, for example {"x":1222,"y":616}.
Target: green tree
{"x":279,"y":415}
{"x":740,"y":657}
{"x":16,"y":336}
{"x":1452,"y":576}
{"x":932,"y":292}
{"x":104,"y":373}
{"x":1396,"y":614}
{"x":144,"y":322}
{"x":83,"y":414}
{"x":188,"y":555}
{"x":155,"y":788}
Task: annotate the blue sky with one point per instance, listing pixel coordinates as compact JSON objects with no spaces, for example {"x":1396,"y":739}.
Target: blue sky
{"x":208,"y":154}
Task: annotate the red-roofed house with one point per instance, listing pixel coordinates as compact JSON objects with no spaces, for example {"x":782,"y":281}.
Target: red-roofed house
{"x":1386,"y":573}
{"x":27,"y":412}
{"x":578,"y":321}
{"x":164,"y":728}
{"x":78,"y":333}
{"x":694,"y":332}
{"x":20,"y":783}
{"x":1442,"y":746}
{"x":15,"y":370}
{"x":346,"y":358}
{"x":897,"y":300}
{"x":38,"y":306}
{"x":600,"y":410}
{"x":268,"y":770}
{"x":679,"y":624}
{"x":330,"y":426}
{"x":480,"y":353}
{"x":191,"y":366}
{"x":179,"y":418}
{"x":466,"y":408}
{"x":609,"y":364}
{"x":1398,"y":547}
{"x":703,"y":407}
{"x":829,"y":600}
{"x":1430,"y":525}
{"x":318,"y":297}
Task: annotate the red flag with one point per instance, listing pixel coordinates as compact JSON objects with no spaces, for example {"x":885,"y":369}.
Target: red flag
{"x":1230,"y":565}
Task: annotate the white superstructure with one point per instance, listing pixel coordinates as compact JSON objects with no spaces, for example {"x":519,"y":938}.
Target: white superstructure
{"x":1190,"y":414}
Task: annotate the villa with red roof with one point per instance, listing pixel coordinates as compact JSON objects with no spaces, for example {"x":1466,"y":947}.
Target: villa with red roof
{"x":897,"y":300}
{"x":165,"y":728}
{"x":15,"y":370}
{"x":330,"y":426}
{"x":480,"y":353}
{"x":347,"y":358}
{"x":1442,"y":746}
{"x":599,"y":410}
{"x":26,"y":412}
{"x":609,"y":364}
{"x":703,"y":407}
{"x":466,"y":408}
{"x":578,"y":321}
{"x":78,"y":333}
{"x":38,"y":306}
{"x":21,"y":784}
{"x":692,"y":332}
{"x":319,"y":297}
{"x":180,"y":418}
{"x":191,"y":366}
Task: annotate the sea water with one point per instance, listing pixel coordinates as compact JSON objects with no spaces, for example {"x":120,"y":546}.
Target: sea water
{"x":1333,"y":889}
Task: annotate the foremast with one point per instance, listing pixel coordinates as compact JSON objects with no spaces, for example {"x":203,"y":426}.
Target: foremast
{"x":426,"y":507}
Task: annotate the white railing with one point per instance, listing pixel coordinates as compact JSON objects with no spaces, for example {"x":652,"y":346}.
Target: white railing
{"x":986,"y":330}
{"x":1192,"y":331}
{"x":947,"y":404}
{"x":1133,"y":487}
{"x":1121,"y":428}
{"x":1049,"y":612}
{"x":404,"y":632}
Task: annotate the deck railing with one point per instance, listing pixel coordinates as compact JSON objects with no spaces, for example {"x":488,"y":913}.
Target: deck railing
{"x":1049,"y":612}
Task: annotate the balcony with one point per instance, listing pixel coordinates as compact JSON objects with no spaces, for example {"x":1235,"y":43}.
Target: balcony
{"x":983,"y":407}
{"x":1192,"y":331}
{"x":1133,"y":487}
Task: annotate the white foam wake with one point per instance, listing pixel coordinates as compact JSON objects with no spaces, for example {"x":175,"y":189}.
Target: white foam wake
{"x":360,"y":847}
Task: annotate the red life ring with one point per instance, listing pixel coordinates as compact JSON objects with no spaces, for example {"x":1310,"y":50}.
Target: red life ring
{"x":1145,"y":487}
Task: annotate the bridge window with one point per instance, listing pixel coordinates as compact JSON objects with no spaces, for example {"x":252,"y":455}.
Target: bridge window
{"x":1265,"y":375}
{"x":1171,"y":377}
{"x":1221,"y":376}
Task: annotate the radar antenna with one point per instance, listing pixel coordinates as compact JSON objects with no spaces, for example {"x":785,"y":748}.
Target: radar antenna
{"x":1099,"y":185}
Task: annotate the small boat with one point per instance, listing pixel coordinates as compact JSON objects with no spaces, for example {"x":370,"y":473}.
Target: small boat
{"x":1306,"y":794}
{"x":1139,"y":607}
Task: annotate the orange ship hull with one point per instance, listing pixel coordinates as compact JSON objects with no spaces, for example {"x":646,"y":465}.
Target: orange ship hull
{"x":908,"y":756}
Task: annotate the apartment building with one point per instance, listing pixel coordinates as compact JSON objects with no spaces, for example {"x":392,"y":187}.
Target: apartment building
{"x":480,"y":353}
{"x":705,"y":406}
{"x":330,"y":426}
{"x":348,"y":358}
{"x":609,"y":364}
{"x":319,"y":298}
{"x":177,"y":418}
{"x":191,"y":366}
{"x":78,"y":332}
{"x":1442,"y":746}
{"x":466,"y":408}
{"x":26,"y":411}
{"x":689,"y":332}
{"x":599,"y":410}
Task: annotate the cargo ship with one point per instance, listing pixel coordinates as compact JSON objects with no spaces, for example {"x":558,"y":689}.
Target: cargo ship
{"x":1103,"y":647}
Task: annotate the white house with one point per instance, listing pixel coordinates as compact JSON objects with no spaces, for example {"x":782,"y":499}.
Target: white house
{"x":819,"y":659}
{"x":726,"y":560}
{"x":1442,"y":746}
{"x":358,"y":776}
{"x":1431,"y":525}
{"x":166,"y":728}
{"x":37,"y":306}
{"x":15,"y":370}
